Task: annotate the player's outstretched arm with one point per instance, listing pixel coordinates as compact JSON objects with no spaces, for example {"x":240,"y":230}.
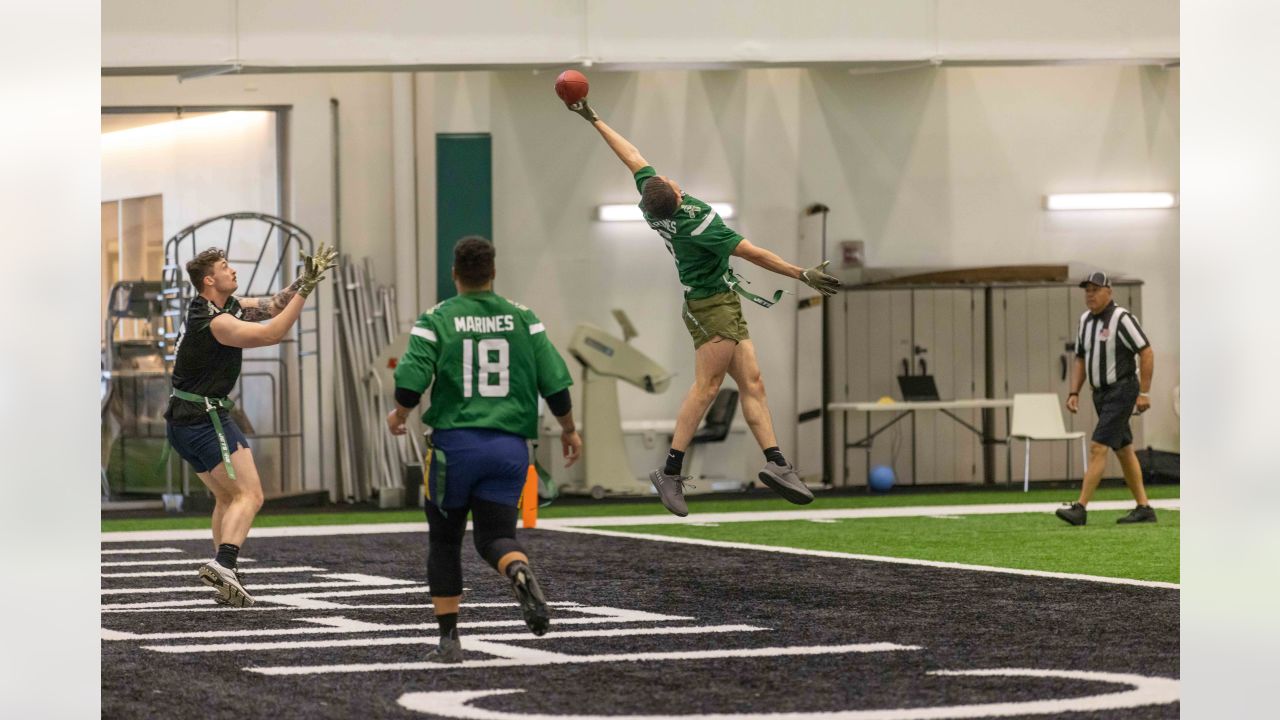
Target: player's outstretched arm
{"x":621,"y":147}
{"x":814,"y":277}
{"x":314,"y":267}
{"x":234,"y":332}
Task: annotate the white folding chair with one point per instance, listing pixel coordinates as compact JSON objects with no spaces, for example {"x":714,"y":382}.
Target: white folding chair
{"x":1036,"y":417}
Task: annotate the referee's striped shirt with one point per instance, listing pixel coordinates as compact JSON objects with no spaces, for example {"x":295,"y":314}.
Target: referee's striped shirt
{"x":1108,"y":343}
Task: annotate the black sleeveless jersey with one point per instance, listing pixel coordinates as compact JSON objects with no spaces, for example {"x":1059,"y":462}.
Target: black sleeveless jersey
{"x":203,"y":365}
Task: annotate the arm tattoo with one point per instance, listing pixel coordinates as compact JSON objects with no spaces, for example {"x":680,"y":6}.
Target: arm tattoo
{"x":269,"y":308}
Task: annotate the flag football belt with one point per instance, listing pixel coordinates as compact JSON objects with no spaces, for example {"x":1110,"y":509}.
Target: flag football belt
{"x":212,"y":406}
{"x":735,"y":283}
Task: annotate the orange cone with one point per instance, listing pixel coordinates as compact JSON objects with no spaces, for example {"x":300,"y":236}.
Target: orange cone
{"x":529,"y":499}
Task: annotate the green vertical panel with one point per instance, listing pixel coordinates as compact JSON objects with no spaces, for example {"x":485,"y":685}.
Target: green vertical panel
{"x":464,"y":198}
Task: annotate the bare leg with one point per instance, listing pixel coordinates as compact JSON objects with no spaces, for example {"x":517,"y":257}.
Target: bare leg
{"x":710,"y":363}
{"x":1093,"y":475}
{"x":244,"y":497}
{"x":441,"y":605}
{"x":745,"y":371}
{"x":221,"y":500}
{"x":1132,"y":473}
{"x":509,"y":558}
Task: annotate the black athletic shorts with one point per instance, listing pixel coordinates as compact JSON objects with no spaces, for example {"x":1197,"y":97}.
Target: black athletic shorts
{"x":198,"y":444}
{"x":1115,"y":404}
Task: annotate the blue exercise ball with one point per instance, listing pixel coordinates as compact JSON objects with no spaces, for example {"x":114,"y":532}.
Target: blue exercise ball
{"x":881,"y":478}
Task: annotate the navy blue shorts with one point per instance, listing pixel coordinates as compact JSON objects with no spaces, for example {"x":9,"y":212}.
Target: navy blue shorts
{"x":198,"y":444}
{"x":475,"y":463}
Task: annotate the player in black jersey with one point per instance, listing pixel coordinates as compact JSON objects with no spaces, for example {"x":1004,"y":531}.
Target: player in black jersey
{"x":218,"y":327}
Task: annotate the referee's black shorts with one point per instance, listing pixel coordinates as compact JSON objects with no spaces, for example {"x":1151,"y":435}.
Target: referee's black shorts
{"x":1115,"y":404}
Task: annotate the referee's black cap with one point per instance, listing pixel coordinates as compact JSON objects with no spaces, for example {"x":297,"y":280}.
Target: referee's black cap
{"x":1098,"y":278}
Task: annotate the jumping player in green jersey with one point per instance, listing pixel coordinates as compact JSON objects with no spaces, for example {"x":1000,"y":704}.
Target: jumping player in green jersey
{"x":701,"y":245}
{"x":486,"y":360}
{"x":198,"y":425}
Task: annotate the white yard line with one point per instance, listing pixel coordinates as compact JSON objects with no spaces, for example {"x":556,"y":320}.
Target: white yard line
{"x":657,"y":519}
{"x":873,"y":558}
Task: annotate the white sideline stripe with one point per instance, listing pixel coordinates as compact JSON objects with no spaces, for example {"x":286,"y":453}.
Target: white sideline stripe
{"x":872,"y":558}
{"x":185,"y":573}
{"x":141,"y":551}
{"x":195,"y":563}
{"x":470,"y":642}
{"x":663,"y":519}
{"x":423,"y":333}
{"x":559,"y":659}
{"x":197,"y":634}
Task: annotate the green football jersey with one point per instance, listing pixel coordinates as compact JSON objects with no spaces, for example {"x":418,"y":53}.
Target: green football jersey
{"x":486,"y":360}
{"x":699,"y":241}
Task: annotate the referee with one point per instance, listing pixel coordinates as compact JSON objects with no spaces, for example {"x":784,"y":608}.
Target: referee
{"x":1114,"y":353}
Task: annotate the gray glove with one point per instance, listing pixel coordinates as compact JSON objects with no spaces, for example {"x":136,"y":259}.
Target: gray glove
{"x":815,"y":278}
{"x":314,"y":267}
{"x":582,"y":108}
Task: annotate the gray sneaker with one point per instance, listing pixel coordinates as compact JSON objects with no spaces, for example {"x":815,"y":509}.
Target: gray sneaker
{"x":1073,"y":513}
{"x":671,"y":491}
{"x":223,"y":601}
{"x":1140,"y":514}
{"x":449,"y":651}
{"x":224,"y":580}
{"x":783,"y":480}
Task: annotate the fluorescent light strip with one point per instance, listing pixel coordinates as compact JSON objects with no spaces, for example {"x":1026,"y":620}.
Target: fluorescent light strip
{"x":1112,"y":201}
{"x":629,"y":213}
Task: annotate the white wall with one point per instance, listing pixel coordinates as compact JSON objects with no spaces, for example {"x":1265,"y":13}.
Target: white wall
{"x":948,"y":167}
{"x":929,"y":167}
{"x":492,"y":33}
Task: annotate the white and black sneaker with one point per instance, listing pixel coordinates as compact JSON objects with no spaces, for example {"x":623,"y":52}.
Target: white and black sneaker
{"x":228,"y":585}
{"x":217,"y":597}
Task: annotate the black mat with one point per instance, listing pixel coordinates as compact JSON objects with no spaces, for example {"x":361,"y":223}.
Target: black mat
{"x":961,"y":620}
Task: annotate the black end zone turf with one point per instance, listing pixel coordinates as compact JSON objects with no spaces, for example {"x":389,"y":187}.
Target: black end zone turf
{"x":961,"y":620}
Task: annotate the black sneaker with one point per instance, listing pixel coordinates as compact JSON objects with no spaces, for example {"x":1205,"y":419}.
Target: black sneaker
{"x":533,"y":605}
{"x":671,"y":491}
{"x":448,"y":652}
{"x":1140,"y":514}
{"x":1074,"y":513}
{"x":783,"y":480}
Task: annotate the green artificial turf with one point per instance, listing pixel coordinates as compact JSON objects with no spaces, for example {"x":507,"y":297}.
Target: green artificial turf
{"x":1029,"y":541}
{"x":697,"y":504}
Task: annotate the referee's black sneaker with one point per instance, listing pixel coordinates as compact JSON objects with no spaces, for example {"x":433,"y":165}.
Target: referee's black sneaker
{"x":1074,"y":513}
{"x":533,"y":604}
{"x":1140,"y":514}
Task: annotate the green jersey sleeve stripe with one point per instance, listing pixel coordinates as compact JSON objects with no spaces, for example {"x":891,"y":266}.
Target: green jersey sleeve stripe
{"x":705,"y":224}
{"x":537,"y":328}
{"x":424,"y":333}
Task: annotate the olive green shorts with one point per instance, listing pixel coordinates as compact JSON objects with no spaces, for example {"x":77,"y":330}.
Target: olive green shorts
{"x":718,"y":315}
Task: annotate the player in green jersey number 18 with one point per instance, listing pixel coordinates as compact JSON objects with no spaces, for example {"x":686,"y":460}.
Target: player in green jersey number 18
{"x":486,"y":360}
{"x":701,"y":245}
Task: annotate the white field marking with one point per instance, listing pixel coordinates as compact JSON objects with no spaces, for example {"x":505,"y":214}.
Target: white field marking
{"x":563,"y":659}
{"x":347,"y":580}
{"x":947,"y":517}
{"x":664,"y":519}
{"x":142,"y":551}
{"x":187,"y":573}
{"x":824,"y":521}
{"x":204,"y":606}
{"x":704,"y":524}
{"x":872,"y":558}
{"x":599,"y":616}
{"x":469,"y":643}
{"x":292,"y":601}
{"x":1141,"y":691}
{"x":195,"y":563}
